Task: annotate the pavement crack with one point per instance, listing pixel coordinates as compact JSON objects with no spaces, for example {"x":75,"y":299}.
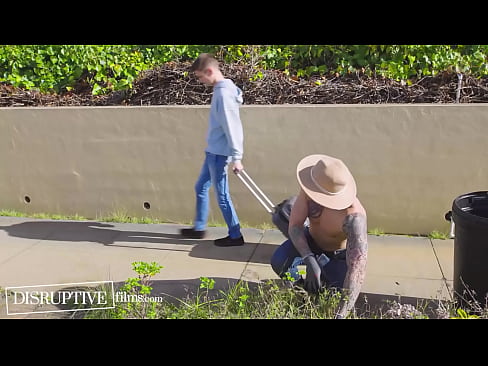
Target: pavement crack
{"x":244,"y":271}
{"x":21,"y":252}
{"x":444,"y":279}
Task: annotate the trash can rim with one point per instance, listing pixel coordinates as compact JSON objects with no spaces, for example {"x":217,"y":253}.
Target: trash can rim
{"x":464,"y":212}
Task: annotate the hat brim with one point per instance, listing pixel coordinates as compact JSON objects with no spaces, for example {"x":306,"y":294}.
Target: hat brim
{"x":337,"y":201}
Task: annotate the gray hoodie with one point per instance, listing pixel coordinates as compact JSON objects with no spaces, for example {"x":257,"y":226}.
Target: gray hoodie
{"x":225,"y":135}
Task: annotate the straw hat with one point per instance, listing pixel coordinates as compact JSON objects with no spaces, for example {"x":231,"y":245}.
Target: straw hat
{"x":327,"y":181}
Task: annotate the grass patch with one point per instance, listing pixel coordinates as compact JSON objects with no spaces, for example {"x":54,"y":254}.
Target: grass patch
{"x":376,"y":231}
{"x":11,"y":213}
{"x":434,"y":234}
{"x":41,"y":215}
{"x":122,"y":216}
{"x":240,"y":301}
{"x":272,"y":299}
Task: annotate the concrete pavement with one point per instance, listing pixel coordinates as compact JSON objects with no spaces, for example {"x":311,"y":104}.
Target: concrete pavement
{"x":37,"y":252}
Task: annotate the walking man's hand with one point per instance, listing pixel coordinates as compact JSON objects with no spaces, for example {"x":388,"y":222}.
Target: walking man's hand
{"x":238,"y":167}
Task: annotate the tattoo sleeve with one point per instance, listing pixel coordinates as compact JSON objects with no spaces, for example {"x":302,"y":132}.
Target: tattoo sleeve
{"x":299,"y":240}
{"x":355,"y":227}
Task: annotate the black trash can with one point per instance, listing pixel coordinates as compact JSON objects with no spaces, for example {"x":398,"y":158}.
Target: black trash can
{"x":470,"y":217}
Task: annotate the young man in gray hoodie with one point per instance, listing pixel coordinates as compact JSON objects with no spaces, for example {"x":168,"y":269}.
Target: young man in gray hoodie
{"x":224,"y":145}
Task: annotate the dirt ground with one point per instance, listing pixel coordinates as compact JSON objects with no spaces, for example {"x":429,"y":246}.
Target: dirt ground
{"x":171,"y":84}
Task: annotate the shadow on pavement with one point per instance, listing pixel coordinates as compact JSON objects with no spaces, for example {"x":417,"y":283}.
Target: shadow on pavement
{"x":108,"y":234}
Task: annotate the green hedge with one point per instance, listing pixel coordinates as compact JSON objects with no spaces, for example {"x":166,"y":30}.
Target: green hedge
{"x":56,"y":68}
{"x":105,"y":67}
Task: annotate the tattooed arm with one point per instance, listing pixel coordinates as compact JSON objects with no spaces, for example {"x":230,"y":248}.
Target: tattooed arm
{"x":356,"y":256}
{"x":298,"y":215}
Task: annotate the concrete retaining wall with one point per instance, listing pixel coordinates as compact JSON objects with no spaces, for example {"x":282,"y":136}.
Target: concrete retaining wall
{"x":409,"y":161}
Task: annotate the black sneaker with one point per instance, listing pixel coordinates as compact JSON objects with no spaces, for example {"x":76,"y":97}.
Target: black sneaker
{"x":192,"y":233}
{"x":228,"y":242}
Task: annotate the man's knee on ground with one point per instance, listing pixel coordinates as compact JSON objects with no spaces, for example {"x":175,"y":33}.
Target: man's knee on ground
{"x":278,"y":263}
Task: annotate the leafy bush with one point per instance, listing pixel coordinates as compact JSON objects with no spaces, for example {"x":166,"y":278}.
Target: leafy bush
{"x":105,"y":68}
{"x":57,"y":68}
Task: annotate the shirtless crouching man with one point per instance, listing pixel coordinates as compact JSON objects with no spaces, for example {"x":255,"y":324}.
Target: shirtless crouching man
{"x":337,"y":229}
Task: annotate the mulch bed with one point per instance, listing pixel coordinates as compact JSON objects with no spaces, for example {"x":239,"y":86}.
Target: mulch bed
{"x":172,"y":84}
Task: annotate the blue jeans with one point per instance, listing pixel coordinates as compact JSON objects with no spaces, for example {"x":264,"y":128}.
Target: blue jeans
{"x":333,"y":273}
{"x":214,"y":173}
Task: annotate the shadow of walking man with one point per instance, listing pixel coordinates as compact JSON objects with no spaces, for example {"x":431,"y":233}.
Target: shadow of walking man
{"x":157,"y":237}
